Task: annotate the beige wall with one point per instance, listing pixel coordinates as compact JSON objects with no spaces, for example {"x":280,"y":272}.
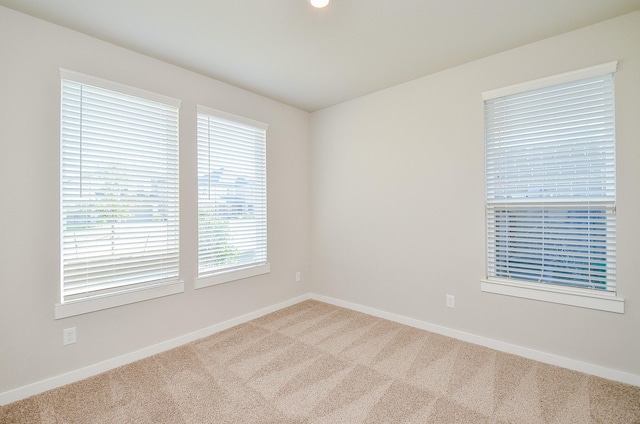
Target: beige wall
{"x":31,"y":349}
{"x":398,"y":212}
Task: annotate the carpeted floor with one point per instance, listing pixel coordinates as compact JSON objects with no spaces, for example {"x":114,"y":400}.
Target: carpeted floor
{"x":318,"y":363}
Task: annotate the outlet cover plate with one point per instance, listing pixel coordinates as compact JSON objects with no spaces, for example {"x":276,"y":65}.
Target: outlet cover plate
{"x":69,"y":336}
{"x":451,"y":301}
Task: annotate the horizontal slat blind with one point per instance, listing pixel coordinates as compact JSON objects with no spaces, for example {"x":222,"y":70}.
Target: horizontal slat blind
{"x":232,"y":192}
{"x":119,"y":183}
{"x":550,"y":185}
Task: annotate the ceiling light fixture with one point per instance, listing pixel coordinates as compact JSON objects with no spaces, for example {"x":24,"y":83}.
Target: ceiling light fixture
{"x":319,"y":3}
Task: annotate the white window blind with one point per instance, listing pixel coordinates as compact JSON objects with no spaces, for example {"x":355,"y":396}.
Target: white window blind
{"x":551,"y":185}
{"x":119,"y":184}
{"x":232,"y":192}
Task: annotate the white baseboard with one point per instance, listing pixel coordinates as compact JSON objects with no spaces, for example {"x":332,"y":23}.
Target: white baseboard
{"x":95,"y":369}
{"x":547,"y":358}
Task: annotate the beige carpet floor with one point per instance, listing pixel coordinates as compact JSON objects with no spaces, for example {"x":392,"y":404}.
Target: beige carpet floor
{"x":318,"y":363}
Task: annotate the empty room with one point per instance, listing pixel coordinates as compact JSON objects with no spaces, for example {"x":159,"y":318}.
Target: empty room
{"x":320,"y":211}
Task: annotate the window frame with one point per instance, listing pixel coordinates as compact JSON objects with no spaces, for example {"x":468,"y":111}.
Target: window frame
{"x":132,"y":292}
{"x":562,"y":294}
{"x":245,"y":270}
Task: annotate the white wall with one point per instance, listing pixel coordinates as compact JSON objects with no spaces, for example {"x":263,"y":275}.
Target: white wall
{"x":31,"y":53}
{"x":397,"y":201}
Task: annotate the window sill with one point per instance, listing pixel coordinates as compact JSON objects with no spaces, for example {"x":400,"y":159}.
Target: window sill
{"x":555,"y":294}
{"x":79,"y":307}
{"x":233,"y":275}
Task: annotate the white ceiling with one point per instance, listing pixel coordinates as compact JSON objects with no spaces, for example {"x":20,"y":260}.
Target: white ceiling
{"x":314,"y":58}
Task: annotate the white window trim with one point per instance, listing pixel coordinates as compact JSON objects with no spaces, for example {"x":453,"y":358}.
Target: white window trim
{"x":231,"y":275}
{"x":128,"y":296}
{"x":555,"y":294}
{"x":79,"y":307}
{"x":583,"y":298}
{"x":593,"y":71}
{"x":230,"y":116}
{"x":115,"y":86}
{"x":246,"y":271}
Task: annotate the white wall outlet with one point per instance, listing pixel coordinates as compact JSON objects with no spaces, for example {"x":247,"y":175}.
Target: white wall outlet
{"x":298,"y":276}
{"x":451,"y":301}
{"x":69,"y":336}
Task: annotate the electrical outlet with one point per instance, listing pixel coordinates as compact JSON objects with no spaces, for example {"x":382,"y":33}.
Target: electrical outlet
{"x":69,"y":336}
{"x":451,"y":301}
{"x":298,"y":276}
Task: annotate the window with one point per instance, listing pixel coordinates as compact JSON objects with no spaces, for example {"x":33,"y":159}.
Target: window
{"x":232,"y":198}
{"x":550,"y":188}
{"x":119,"y":195}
